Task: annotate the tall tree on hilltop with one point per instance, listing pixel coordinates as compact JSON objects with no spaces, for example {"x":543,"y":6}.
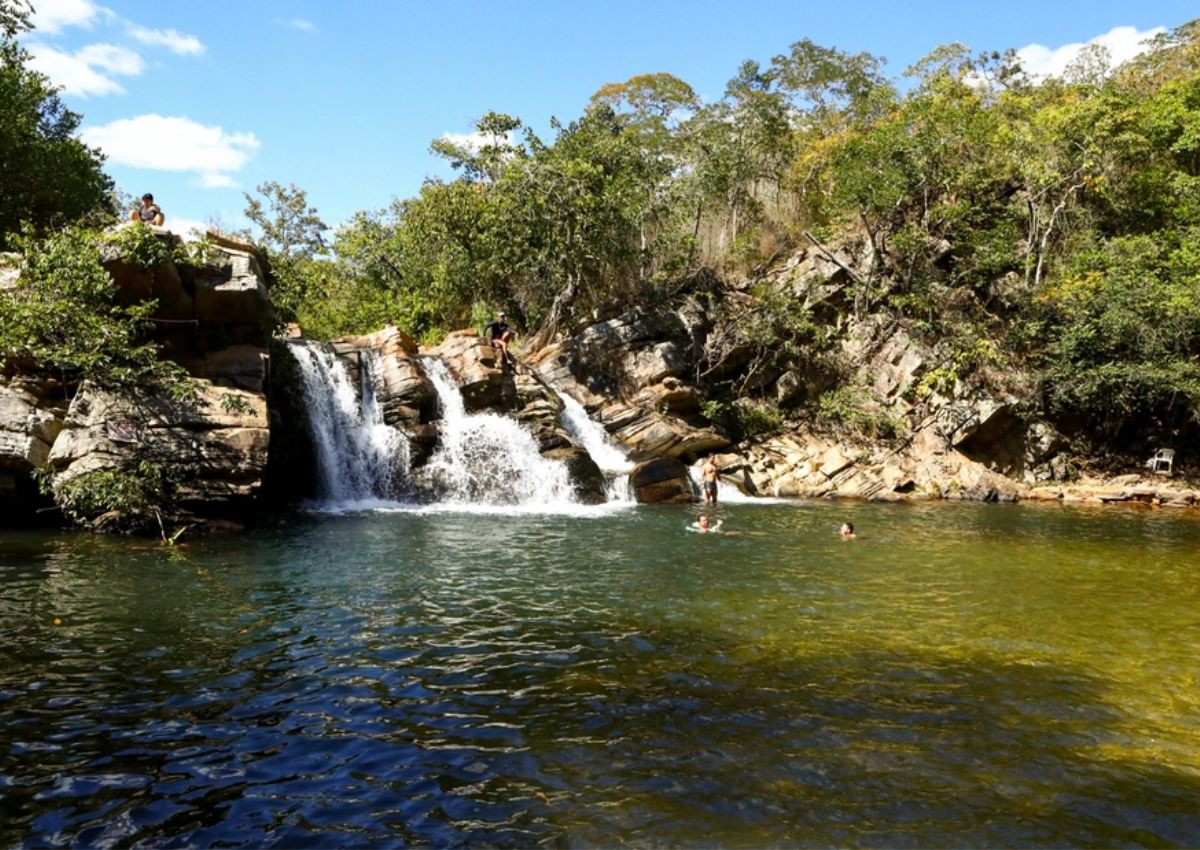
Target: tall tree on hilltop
{"x":292,"y":234}
{"x":50,"y":177}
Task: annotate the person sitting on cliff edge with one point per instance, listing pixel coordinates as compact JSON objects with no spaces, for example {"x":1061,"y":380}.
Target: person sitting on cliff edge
{"x":149,"y":212}
{"x":500,"y":333}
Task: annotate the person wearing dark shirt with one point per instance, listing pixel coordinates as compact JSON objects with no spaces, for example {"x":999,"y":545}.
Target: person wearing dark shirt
{"x":500,"y":333}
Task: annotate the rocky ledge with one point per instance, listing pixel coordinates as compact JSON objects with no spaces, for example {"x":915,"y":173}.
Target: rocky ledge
{"x":216,"y":321}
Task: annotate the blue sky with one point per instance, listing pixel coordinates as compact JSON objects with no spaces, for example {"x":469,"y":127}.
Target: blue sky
{"x":198,"y":102}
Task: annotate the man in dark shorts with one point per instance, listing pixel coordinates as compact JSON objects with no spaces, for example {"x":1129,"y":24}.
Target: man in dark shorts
{"x":148,"y":212}
{"x":500,"y":333}
{"x":708,"y":481}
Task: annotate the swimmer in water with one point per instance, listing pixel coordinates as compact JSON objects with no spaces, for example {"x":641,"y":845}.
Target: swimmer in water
{"x":847,"y":531}
{"x":702,"y":525}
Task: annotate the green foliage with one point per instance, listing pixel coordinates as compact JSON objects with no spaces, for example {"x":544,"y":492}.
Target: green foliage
{"x":15,"y":17}
{"x":715,"y":411}
{"x":962,"y":355}
{"x":292,"y":235}
{"x":234,"y":403}
{"x":1067,"y":209}
{"x":757,"y":419}
{"x":137,"y":491}
{"x":139,"y":245}
{"x":64,"y":319}
{"x":50,"y":177}
{"x":856,"y":408}
{"x":1123,"y":331}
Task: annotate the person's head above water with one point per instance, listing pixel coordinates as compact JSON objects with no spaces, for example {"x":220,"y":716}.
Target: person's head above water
{"x":847,"y":529}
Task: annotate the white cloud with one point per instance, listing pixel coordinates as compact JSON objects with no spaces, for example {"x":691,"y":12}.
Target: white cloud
{"x":113,"y":59}
{"x":52,"y":16}
{"x":210,"y":180}
{"x":300,"y":24}
{"x":173,"y":40}
{"x":88,"y":71}
{"x":1122,"y":44}
{"x":474,"y":141}
{"x":168,"y":143}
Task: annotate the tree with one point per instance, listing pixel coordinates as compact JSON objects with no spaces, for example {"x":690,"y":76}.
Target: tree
{"x":14,"y":17}
{"x":50,"y":177}
{"x":65,"y":319}
{"x":833,"y":88}
{"x":292,"y":234}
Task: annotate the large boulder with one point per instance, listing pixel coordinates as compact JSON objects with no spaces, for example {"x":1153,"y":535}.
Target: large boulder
{"x":214,"y":448}
{"x":586,"y":477}
{"x":27,"y":428}
{"x":662,"y":480}
{"x":475,"y":366}
{"x":29,"y":424}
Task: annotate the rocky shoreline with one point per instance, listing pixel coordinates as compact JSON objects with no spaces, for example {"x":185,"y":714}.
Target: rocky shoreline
{"x":645,"y":375}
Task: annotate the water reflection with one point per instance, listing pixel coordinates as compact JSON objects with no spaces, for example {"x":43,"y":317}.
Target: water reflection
{"x":958,"y":675}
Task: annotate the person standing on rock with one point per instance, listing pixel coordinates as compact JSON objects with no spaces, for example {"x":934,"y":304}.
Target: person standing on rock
{"x":500,"y":333}
{"x":708,"y":481}
{"x":149,"y":212}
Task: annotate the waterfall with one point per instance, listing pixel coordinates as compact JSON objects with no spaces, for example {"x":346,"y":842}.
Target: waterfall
{"x":595,"y":440}
{"x":486,"y":459}
{"x":360,"y":457}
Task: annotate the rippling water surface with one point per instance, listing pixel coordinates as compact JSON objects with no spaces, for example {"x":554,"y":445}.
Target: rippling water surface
{"x":960,"y":675}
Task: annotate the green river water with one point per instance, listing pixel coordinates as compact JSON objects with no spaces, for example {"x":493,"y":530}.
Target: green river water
{"x":958,"y":676}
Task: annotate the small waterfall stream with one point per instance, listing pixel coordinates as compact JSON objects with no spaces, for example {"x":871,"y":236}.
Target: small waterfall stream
{"x":487,"y":459}
{"x":361,"y":458}
{"x":596,"y":441}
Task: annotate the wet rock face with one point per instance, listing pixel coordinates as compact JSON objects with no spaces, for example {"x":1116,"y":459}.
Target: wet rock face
{"x":662,"y":481}
{"x":214,"y":448}
{"x":476,"y":368}
{"x":586,"y":476}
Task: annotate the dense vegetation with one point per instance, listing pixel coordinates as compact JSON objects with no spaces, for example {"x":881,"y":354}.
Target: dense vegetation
{"x":1051,"y":224}
{"x":1042,"y":227}
{"x":49,"y":176}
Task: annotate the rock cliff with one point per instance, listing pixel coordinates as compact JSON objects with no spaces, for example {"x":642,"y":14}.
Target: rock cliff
{"x":216,"y":321}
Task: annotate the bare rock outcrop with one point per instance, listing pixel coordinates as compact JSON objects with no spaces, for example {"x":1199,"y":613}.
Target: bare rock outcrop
{"x":212,"y":449}
{"x":631,"y":373}
{"x":662,"y":481}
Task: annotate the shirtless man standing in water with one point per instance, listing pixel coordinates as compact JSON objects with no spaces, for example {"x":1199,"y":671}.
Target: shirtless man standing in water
{"x":708,"y":481}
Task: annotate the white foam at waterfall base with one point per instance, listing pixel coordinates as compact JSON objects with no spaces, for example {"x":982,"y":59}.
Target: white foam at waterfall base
{"x":596,"y":441}
{"x":361,"y":459}
{"x":490,"y":463}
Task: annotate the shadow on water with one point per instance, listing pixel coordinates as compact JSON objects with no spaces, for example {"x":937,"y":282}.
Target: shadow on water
{"x":320,"y":690}
{"x":579,"y":735}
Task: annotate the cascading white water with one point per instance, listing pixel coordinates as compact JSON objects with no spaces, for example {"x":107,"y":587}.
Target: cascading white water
{"x":361,"y":458}
{"x":488,"y":459}
{"x":595,"y":440}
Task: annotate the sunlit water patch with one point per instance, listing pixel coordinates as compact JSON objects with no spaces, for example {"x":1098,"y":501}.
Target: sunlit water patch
{"x":959,"y":675}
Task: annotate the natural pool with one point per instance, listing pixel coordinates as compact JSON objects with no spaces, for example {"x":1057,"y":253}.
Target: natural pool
{"x":960,"y":675}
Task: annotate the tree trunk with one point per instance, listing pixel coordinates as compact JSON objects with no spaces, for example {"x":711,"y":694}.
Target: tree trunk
{"x":559,"y":311}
